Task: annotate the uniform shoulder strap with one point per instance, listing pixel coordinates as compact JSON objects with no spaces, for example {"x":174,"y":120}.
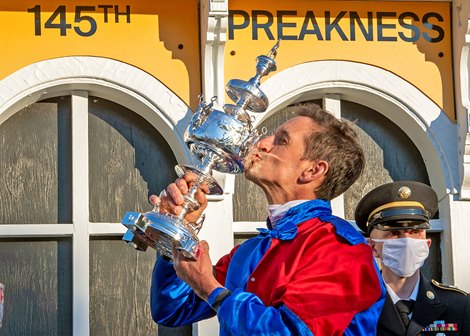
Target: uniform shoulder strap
{"x":448,"y":287}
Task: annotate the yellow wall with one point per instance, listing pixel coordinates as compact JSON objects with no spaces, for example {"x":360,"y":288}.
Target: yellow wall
{"x":425,"y":64}
{"x":151,"y":40}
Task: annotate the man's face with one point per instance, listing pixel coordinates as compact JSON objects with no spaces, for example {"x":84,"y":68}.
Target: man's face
{"x":394,"y":234}
{"x":276,"y":160}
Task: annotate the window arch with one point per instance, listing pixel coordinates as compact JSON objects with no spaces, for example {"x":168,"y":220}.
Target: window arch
{"x":82,"y":104}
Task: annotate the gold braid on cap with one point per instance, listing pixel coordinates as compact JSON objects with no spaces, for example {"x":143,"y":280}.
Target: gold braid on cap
{"x":394,"y":205}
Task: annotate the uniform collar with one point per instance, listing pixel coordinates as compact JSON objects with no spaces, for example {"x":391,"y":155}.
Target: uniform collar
{"x":395,"y":298}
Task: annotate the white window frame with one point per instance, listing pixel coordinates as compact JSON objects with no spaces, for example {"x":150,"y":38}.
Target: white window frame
{"x":81,"y":77}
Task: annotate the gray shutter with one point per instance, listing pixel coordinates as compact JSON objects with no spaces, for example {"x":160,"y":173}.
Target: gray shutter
{"x":129,"y":160}
{"x":35,"y":188}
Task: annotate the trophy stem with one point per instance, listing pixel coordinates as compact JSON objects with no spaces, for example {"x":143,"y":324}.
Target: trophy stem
{"x":190,"y":201}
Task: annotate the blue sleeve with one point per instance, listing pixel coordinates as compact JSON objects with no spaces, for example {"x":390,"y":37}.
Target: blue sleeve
{"x":243,"y":313}
{"x":172,"y":302}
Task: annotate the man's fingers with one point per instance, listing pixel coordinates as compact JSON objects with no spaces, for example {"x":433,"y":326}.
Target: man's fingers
{"x":171,"y":199}
{"x":153,"y":199}
{"x":200,"y":197}
{"x":190,"y":176}
{"x":182,"y":185}
{"x":203,"y":247}
{"x":175,"y":193}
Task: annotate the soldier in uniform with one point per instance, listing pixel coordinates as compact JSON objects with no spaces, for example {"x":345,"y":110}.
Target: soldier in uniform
{"x":396,"y":216}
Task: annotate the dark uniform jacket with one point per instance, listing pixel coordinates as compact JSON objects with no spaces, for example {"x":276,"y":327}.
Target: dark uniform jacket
{"x":438,"y":307}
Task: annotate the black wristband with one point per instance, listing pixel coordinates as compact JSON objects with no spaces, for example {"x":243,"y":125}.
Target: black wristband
{"x":225,"y":293}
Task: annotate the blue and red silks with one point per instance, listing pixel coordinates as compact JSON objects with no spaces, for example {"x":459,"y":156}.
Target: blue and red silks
{"x":313,"y":274}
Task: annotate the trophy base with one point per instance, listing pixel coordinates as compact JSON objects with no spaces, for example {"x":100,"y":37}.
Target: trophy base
{"x":161,"y":232}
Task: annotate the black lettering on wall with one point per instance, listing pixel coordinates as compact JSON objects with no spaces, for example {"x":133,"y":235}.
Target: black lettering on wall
{"x":371,"y":26}
{"x":330,"y":26}
{"x":232,"y":26}
{"x":127,"y":14}
{"x":415,"y":33}
{"x":310,"y":18}
{"x":265,"y":26}
{"x":281,"y":25}
{"x":354,"y":19}
{"x":105,"y":11}
{"x":438,"y":29}
{"x":62,"y":25}
{"x":85,"y":25}
{"x":381,"y":26}
{"x":79,"y":17}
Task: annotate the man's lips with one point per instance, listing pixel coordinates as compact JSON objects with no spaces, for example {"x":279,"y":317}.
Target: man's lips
{"x":251,"y":158}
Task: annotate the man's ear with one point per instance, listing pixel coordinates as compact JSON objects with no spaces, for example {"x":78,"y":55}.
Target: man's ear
{"x":372,"y":246}
{"x":316,"y":170}
{"x":429,"y":242}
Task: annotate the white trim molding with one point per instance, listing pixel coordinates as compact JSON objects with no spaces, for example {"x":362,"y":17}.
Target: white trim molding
{"x":106,"y":78}
{"x":461,"y":41}
{"x":459,"y":210}
{"x":214,"y":23}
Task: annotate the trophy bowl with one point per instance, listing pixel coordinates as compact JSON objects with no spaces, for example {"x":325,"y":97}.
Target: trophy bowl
{"x":223,"y":136}
{"x":219,"y":139}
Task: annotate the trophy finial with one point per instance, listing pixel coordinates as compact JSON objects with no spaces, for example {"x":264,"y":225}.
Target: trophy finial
{"x":247,"y":94}
{"x":273,"y":52}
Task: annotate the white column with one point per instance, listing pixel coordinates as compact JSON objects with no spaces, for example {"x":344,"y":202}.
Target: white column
{"x":455,"y":239}
{"x":81,"y":269}
{"x":332,"y":103}
{"x":217,"y":229}
{"x":458,"y":237}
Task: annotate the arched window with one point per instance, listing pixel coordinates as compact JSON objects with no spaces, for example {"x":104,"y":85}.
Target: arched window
{"x":71,"y":166}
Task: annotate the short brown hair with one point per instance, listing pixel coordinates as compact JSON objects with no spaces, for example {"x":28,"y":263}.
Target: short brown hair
{"x":335,"y":142}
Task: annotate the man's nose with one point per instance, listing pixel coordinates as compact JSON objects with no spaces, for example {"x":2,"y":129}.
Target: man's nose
{"x":265,"y":144}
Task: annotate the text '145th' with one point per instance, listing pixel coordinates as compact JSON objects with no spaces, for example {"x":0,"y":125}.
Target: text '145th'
{"x":83,"y":24}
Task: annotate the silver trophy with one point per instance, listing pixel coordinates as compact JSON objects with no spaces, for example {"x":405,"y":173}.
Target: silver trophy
{"x":220,"y":140}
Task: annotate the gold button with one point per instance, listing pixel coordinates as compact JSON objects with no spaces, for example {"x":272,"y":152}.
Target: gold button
{"x":430,"y":295}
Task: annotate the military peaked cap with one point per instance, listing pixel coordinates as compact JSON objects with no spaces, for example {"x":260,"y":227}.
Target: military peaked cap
{"x":400,"y":205}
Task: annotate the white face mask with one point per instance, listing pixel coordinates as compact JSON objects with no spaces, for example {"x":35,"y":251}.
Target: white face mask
{"x":404,"y":256}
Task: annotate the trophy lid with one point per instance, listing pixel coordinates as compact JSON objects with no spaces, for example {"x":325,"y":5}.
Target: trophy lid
{"x":247,"y":94}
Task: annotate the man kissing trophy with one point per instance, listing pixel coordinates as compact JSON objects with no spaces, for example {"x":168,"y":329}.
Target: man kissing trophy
{"x":220,"y":140}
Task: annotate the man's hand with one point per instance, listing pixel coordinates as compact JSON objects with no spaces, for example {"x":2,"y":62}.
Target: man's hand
{"x":172,"y":200}
{"x":196,"y":273}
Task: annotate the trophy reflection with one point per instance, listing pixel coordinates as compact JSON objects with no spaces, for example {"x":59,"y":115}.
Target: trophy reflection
{"x":220,"y":140}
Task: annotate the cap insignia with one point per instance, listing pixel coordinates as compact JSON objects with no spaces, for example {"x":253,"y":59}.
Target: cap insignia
{"x":404,"y":192}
